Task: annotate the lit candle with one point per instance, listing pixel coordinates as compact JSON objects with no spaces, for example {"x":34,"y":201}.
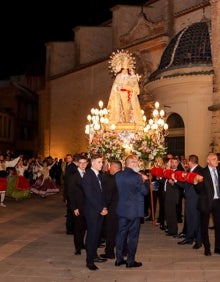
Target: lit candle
{"x":155,"y":113}
{"x":157,"y":105}
{"x":112,"y":126}
{"x":100,"y":104}
{"x":162,"y":113}
{"x":97,"y":126}
{"x":150,"y":121}
{"x":165,"y":126}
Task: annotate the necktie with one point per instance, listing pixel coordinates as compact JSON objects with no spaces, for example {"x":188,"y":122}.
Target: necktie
{"x":99,"y":179}
{"x":216,"y":182}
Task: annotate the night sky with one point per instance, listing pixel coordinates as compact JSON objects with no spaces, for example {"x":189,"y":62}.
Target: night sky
{"x":26,"y":27}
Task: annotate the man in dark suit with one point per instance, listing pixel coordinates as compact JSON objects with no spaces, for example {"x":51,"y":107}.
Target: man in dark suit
{"x":179,"y":207}
{"x":94,"y":210}
{"x":111,"y":219}
{"x":209,"y":202}
{"x":70,"y":169}
{"x":76,"y":196}
{"x":192,"y":214}
{"x":132,"y":187}
{"x":171,"y":201}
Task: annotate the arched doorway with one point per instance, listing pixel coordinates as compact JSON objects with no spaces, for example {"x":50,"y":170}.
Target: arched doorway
{"x":175,"y":141}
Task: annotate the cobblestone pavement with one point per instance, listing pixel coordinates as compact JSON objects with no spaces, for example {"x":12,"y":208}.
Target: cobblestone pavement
{"x":34,"y":247}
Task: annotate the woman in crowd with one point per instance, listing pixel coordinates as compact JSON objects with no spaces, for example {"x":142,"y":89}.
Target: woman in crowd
{"x":3,"y":175}
{"x":44,"y":185}
{"x":18,"y":186}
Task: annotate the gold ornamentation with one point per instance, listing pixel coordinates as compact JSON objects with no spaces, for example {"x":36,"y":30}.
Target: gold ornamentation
{"x":121,"y":60}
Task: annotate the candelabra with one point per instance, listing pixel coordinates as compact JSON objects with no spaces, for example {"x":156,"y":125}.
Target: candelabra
{"x":147,"y":142}
{"x":97,"y":121}
{"x":156,"y":127}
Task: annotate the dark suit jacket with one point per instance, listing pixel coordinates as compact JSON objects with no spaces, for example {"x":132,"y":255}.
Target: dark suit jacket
{"x":131,"y":192}
{"x":111,"y":192}
{"x":69,"y":170}
{"x":94,"y":197}
{"x":75,"y":191}
{"x":191,"y":189}
{"x":206,"y":191}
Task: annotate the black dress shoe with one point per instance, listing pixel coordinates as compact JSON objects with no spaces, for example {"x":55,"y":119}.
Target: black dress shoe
{"x":92,"y":266}
{"x":134,"y":264}
{"x":107,"y":256}
{"x":197,"y":245}
{"x":185,"y":242}
{"x":207,"y":252}
{"x":118,"y":263}
{"x":174,"y":235}
{"x":162,"y":227}
{"x":217,"y":251}
{"x":99,"y":259}
{"x":181,"y":235}
{"x":77,"y":252}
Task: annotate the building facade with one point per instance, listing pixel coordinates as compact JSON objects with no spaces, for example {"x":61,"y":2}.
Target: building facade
{"x":19,"y":115}
{"x":176,"y":46}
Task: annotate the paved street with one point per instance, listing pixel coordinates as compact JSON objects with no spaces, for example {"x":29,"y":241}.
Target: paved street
{"x":34,"y":247}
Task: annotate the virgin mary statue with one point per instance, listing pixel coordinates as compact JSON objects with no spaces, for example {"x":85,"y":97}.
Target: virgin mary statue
{"x":123,"y":105}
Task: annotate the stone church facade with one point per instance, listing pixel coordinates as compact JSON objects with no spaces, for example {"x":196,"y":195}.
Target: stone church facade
{"x":176,"y":47}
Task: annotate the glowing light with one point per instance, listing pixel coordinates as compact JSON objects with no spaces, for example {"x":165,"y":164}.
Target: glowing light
{"x":157,"y":105}
{"x":100,"y":104}
{"x":113,"y":126}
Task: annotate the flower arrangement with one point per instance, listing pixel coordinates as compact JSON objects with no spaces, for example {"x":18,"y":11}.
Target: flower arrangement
{"x":108,"y":144}
{"x":114,"y":145}
{"x":148,"y":148}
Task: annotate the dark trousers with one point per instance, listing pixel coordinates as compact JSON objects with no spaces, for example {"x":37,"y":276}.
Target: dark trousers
{"x":161,"y":198}
{"x":69,"y":219}
{"x":94,"y":225}
{"x":128,"y":229}
{"x":79,"y":231}
{"x":179,"y":206}
{"x":215,"y":210}
{"x":171,"y":200}
{"x":193,"y":226}
{"x":111,"y":229}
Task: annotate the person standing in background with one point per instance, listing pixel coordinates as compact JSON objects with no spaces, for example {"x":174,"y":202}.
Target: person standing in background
{"x":171,"y":201}
{"x":111,"y":219}
{"x":192,"y":215}
{"x":209,"y":203}
{"x":94,"y":209}
{"x":70,"y":169}
{"x":3,"y":174}
{"x":132,"y":187}
{"x":76,"y":197}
